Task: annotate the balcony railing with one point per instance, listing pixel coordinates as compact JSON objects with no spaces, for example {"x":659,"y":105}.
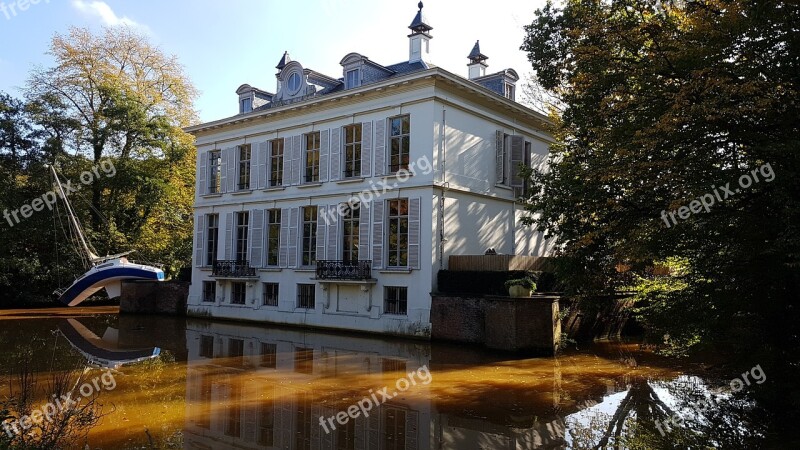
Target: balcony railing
{"x":344,"y":270}
{"x":233,"y":269}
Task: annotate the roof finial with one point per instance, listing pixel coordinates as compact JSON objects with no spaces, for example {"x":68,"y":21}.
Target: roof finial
{"x":420,"y":6}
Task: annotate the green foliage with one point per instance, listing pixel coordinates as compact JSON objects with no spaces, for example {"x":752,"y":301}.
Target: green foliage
{"x":661,"y":104}
{"x":526,"y":282}
{"x":109,"y":98}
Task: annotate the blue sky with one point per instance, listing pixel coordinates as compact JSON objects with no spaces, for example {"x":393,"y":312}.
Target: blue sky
{"x":223,"y":44}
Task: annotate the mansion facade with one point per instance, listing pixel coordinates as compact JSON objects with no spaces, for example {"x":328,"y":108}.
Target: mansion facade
{"x":335,"y":201}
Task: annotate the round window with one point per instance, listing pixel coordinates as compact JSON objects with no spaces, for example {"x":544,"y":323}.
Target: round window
{"x":294,"y":82}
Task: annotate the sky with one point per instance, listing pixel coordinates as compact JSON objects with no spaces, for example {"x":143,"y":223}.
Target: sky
{"x":224,"y":44}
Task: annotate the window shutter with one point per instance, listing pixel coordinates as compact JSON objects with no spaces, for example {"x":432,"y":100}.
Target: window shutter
{"x":229,"y":236}
{"x":500,"y":157}
{"x":232,"y":169}
{"x":412,"y":429}
{"x":202,"y":173}
{"x":380,"y":147}
{"x":324,"y":147}
{"x":250,"y":423}
{"x":374,"y":431}
{"x":297,"y":153}
{"x":363,"y":232}
{"x":336,"y":154}
{"x":333,"y":232}
{"x":263,"y":159}
{"x":517,"y":159}
{"x":527,"y":182}
{"x":287,"y":162}
{"x":366,"y":149}
{"x":294,"y":226}
{"x":414,"y":233}
{"x":284,"y":239}
{"x":223,"y":171}
{"x":256,"y":238}
{"x":377,"y":234}
{"x":321,"y":229}
{"x":200,"y":228}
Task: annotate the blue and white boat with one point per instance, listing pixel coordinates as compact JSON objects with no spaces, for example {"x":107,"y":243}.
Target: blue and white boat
{"x":105,"y":272}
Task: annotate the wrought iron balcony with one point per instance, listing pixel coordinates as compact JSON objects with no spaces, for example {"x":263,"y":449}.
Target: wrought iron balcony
{"x":344,"y":270}
{"x":233,"y":269}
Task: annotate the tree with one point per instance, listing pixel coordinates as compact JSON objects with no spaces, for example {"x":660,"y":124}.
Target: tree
{"x":666,"y":103}
{"x":128,"y":102}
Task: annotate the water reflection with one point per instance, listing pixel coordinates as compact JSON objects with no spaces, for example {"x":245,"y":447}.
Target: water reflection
{"x":221,"y":385}
{"x":104,"y":352}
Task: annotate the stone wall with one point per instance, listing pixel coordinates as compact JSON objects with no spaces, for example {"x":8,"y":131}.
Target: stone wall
{"x":153,"y":297}
{"x":500,"y":323}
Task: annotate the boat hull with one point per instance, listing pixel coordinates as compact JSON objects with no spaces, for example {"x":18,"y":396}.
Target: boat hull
{"x":111,"y":276}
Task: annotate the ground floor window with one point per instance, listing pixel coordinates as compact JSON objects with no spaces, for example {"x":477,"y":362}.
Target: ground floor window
{"x":238,"y":293}
{"x":396,"y":300}
{"x":270,"y":294}
{"x":209,"y":291}
{"x":306,"y":296}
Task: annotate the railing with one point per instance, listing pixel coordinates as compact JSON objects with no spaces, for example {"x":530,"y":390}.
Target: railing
{"x":344,"y":270}
{"x":233,"y":269}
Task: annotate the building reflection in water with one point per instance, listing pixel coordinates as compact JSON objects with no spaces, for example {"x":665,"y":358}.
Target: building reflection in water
{"x":249,"y":387}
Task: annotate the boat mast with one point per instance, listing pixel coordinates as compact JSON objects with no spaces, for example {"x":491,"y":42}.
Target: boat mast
{"x":74,"y":219}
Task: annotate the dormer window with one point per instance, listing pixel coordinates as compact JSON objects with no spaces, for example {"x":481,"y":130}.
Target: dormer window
{"x":509,"y":91}
{"x":352,"y":79}
{"x":294,"y":83}
{"x":245,"y":105}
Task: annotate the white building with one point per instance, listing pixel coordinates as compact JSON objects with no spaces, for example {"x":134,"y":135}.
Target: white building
{"x":335,"y":201}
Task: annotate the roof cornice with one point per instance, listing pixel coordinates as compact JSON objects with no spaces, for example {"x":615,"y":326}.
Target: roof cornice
{"x":381,"y":86}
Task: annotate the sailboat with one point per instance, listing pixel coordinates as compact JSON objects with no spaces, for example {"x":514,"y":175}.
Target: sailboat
{"x":105,"y":272}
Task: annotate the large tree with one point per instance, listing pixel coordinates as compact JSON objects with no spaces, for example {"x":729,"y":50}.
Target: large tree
{"x":128,"y":102}
{"x":664,"y":103}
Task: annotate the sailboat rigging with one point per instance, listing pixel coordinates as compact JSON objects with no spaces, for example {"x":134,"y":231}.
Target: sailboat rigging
{"x":105,"y":272}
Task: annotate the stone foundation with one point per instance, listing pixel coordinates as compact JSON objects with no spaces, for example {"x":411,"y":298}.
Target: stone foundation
{"x":153,"y":297}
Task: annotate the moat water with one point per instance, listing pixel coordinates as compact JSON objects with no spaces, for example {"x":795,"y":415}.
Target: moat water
{"x":220,"y":385}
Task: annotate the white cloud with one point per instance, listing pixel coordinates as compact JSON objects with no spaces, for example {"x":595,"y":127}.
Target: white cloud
{"x":102,"y":11}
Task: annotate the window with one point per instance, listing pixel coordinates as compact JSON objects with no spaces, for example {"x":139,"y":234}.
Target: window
{"x":398,"y":233}
{"x":242,"y":226}
{"x":270,"y":294}
{"x":236,"y":352}
{"x":294,"y":83}
{"x":276,"y":162}
{"x":214,"y":171}
{"x":351,"y":221}
{"x":269,"y":355}
{"x":246,"y":105}
{"x":396,"y":300}
{"x":212,"y":238}
{"x":351,"y":79}
{"x":266,"y":423}
{"x":304,"y":360}
{"x":233,"y":424}
{"x":273,"y":236}
{"x":304,"y":421}
{"x":238,"y":293}
{"x":312,"y":157}
{"x":509,"y":91}
{"x":346,"y":436}
{"x":209,"y":291}
{"x":352,"y":151}
{"x":207,"y":346}
{"x":394,"y":424}
{"x":309,"y":235}
{"x":399,"y":143}
{"x":306,"y":296}
{"x":244,"y":167}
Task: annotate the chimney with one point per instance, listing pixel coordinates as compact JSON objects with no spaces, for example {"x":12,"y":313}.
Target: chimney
{"x":477,"y":62}
{"x":420,"y":38}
